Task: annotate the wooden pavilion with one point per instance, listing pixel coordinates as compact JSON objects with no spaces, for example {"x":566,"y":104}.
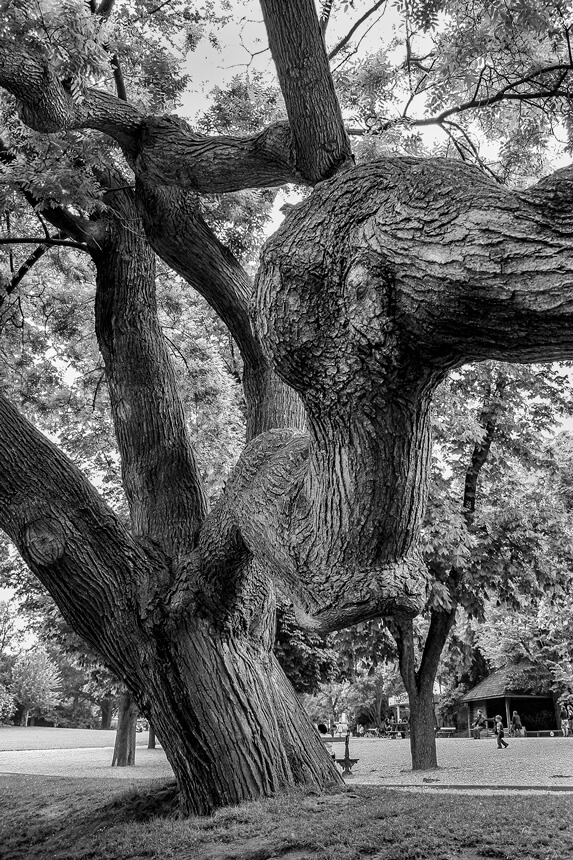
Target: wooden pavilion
{"x":496,"y":695}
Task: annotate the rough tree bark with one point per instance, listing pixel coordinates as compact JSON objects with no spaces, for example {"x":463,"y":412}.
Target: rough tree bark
{"x":201,"y":668}
{"x":386,"y":277}
{"x":207,"y":688}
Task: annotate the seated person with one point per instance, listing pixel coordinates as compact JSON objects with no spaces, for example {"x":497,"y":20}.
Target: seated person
{"x":323,"y":732}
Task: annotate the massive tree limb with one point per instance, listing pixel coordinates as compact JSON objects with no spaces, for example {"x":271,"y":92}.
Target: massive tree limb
{"x":69,"y":537}
{"x":160,"y":474}
{"x":163,"y":149}
{"x":386,"y":277}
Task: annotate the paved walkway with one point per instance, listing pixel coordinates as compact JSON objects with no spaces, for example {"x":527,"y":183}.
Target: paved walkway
{"x":544,"y":763}
{"x":528,"y":763}
{"x":75,"y":752}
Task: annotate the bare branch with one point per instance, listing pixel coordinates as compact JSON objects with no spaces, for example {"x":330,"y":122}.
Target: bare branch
{"x":505,"y":94}
{"x":118,"y":78}
{"x":343,"y":42}
{"x":35,"y":240}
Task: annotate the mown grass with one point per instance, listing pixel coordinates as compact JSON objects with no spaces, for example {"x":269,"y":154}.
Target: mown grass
{"x":81,"y":819}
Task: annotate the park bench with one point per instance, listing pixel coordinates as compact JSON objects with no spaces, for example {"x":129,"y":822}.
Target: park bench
{"x":345,"y":763}
{"x":445,"y":732}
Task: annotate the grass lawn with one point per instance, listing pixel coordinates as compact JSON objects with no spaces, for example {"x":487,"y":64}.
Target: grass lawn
{"x":77,"y":819}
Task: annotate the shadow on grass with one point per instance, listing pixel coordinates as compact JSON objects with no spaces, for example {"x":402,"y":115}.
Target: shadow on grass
{"x":89,"y":819}
{"x":46,"y":816}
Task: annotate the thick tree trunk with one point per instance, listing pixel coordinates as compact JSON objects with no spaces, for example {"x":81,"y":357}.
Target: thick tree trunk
{"x":124,"y":749}
{"x":229,"y":721}
{"x":421,"y":698}
{"x":151,"y":738}
{"x":422,"y":729}
{"x":106,"y":708}
{"x":419,"y":683}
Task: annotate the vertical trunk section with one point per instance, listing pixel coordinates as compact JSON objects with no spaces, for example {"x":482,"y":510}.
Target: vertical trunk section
{"x":297,"y":45}
{"x":420,"y":683}
{"x":229,"y":721}
{"x":124,"y":749}
{"x":160,"y":474}
{"x":422,"y":730}
{"x":106,"y":708}
{"x":421,"y":697}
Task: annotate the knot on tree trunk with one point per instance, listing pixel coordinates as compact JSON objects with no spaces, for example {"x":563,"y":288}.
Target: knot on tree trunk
{"x":45,"y":540}
{"x":328,"y":321}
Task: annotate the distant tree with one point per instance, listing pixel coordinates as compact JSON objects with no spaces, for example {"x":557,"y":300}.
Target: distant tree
{"x":7,"y":704}
{"x":35,"y":682}
{"x":535,"y":641}
{"x":368,"y":696}
{"x":328,"y":703}
{"x":124,"y":747}
{"x":496,"y":526}
{"x":10,"y":632}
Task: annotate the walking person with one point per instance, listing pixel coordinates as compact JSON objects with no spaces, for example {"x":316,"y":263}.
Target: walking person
{"x":479,"y":725}
{"x":516,"y":729}
{"x":501,"y":744}
{"x":565,"y":721}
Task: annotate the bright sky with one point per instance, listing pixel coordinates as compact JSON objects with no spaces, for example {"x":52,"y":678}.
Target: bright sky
{"x":243,"y":44}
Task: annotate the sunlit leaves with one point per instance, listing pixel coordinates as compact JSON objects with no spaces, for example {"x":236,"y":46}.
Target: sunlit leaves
{"x":306,"y":658}
{"x":64,"y":33}
{"x":537,"y":640}
{"x":521,"y":542}
{"x":423,"y":14}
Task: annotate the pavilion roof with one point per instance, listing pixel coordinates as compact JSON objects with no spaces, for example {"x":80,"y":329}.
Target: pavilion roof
{"x":498,"y":684}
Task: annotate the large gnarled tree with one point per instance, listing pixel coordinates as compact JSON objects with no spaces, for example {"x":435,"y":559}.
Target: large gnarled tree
{"x":386,"y":277}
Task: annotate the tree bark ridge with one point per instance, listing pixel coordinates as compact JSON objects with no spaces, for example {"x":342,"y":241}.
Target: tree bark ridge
{"x":160,"y":474}
{"x":320,"y":142}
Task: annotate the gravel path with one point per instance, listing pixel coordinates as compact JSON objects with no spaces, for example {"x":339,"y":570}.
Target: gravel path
{"x":528,"y":763}
{"x":40,"y":738}
{"x":75,"y":752}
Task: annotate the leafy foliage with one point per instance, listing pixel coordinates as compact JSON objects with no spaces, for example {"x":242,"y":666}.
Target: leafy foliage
{"x":536,"y":641}
{"x":308,"y":659}
{"x":10,"y":634}
{"x":7,"y":704}
{"x":35,"y":680}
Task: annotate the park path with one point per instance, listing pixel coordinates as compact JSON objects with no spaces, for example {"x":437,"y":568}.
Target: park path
{"x":527,"y":762}
{"x":544,"y":763}
{"x":75,"y":752}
